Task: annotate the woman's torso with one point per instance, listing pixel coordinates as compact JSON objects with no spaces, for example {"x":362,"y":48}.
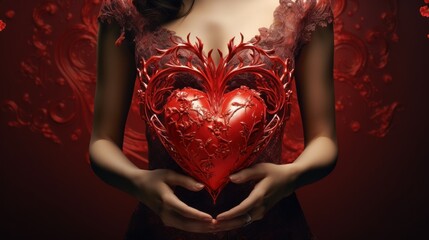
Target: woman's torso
{"x":278,"y":26}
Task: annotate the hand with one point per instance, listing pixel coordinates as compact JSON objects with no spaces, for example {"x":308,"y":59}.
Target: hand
{"x":154,"y":190}
{"x":276,"y":182}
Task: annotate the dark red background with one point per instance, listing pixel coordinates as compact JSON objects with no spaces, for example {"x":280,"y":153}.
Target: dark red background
{"x":379,"y":189}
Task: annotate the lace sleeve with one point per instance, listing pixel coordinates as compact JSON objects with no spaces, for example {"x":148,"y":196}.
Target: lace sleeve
{"x":317,"y":13}
{"x":117,"y":11}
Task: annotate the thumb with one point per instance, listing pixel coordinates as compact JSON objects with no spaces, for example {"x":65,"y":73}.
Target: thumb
{"x":247,"y":174}
{"x":187,"y":182}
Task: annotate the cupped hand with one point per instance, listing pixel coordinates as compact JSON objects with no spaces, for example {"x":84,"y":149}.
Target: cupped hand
{"x":154,"y":190}
{"x":276,"y":181}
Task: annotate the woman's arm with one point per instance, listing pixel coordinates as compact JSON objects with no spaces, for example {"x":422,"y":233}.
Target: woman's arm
{"x":314,"y":79}
{"x":315,"y":86}
{"x":116,"y":74}
{"x":115,"y":81}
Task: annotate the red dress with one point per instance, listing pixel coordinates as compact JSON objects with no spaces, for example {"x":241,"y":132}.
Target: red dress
{"x":294,"y":22}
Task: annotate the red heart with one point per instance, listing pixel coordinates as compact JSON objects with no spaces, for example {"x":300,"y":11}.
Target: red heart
{"x":214,"y":132}
{"x":213,"y":144}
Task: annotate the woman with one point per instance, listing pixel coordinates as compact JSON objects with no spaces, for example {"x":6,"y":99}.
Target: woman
{"x":258,"y":202}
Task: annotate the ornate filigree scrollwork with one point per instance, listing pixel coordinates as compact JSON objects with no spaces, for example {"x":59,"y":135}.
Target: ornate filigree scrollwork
{"x":213,"y":131}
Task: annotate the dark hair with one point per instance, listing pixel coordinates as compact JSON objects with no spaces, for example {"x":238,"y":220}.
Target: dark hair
{"x":161,"y":11}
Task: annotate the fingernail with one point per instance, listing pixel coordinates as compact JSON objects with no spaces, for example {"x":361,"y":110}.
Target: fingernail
{"x":199,"y":185}
{"x":233,"y":177}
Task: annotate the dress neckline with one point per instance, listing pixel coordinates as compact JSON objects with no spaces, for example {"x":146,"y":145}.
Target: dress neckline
{"x":270,"y":29}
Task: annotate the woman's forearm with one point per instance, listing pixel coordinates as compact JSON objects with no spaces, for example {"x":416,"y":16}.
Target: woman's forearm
{"x":316,"y":161}
{"x":112,"y":166}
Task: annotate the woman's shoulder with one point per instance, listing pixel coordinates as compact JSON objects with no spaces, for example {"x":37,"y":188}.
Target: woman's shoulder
{"x":314,"y":13}
{"x":125,"y":14}
{"x":122,"y":12}
{"x":305,"y":11}
{"x":114,"y":10}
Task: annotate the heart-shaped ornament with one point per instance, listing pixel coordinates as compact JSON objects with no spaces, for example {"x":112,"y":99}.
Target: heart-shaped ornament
{"x":214,"y":143}
{"x":214,"y":131}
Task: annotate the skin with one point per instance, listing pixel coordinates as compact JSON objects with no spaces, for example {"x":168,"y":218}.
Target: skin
{"x":115,"y":82}
{"x":244,"y":14}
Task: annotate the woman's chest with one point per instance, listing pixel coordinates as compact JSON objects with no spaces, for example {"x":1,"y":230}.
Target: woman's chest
{"x":276,"y":24}
{"x":216,"y":22}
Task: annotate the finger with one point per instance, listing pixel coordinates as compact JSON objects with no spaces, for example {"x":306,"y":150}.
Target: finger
{"x":257,"y":213}
{"x":176,"y":205}
{"x":255,"y":199}
{"x":174,"y":179}
{"x":234,"y":223}
{"x":190,"y":225}
{"x":255,"y":172}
